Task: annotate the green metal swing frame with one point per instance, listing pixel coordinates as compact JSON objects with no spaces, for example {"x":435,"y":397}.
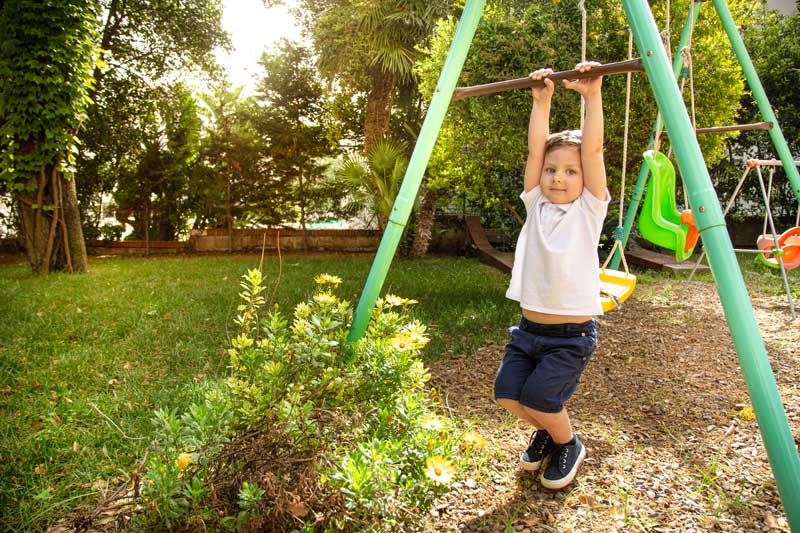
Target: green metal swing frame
{"x":760,"y":381}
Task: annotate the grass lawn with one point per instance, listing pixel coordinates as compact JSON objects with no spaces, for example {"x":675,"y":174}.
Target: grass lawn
{"x":85,"y":359}
{"x":129,"y":336}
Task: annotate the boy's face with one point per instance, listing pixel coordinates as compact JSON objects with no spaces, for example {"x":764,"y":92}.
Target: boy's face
{"x":562,"y":175}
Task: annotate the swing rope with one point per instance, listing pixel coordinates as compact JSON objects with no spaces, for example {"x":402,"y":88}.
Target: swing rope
{"x":582,"y":7}
{"x":620,"y":220}
{"x":688,"y":68}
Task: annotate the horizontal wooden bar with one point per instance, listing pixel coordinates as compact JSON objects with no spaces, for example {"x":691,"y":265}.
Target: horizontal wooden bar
{"x":737,"y":127}
{"x":632,"y":65}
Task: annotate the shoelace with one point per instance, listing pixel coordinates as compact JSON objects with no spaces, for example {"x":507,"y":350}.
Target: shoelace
{"x":563,"y":455}
{"x":539,"y":443}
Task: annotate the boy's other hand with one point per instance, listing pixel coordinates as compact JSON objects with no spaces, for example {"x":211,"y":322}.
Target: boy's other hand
{"x":546,"y":91}
{"x":585,"y":86}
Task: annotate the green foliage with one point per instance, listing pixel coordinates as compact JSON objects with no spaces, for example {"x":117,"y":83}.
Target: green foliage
{"x":46,"y":56}
{"x":351,"y":36}
{"x":482,"y":146}
{"x":292,"y":123}
{"x":295,"y":384}
{"x":373,"y":182}
{"x":370,"y":49}
{"x":145,"y":47}
{"x":151,"y":187}
{"x":775,"y":52}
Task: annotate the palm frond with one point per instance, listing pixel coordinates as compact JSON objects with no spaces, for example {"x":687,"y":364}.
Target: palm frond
{"x":384,"y":154}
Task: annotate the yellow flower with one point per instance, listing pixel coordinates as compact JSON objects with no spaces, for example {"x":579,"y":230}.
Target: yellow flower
{"x":393,"y":300}
{"x":325,"y":298}
{"x":419,"y":340}
{"x":433,"y":422}
{"x":472,"y":440}
{"x":747,"y":414}
{"x":403,"y":342}
{"x":322,"y":279}
{"x":439,"y":470}
{"x":184,"y":460}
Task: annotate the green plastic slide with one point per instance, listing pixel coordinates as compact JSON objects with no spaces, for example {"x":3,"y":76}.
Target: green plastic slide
{"x":660,"y":221}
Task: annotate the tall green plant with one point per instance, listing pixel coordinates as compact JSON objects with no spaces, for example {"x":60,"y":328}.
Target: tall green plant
{"x":146,"y":47}
{"x":371,"y":47}
{"x":374,"y":180}
{"x":47,"y":52}
{"x":293,"y":126}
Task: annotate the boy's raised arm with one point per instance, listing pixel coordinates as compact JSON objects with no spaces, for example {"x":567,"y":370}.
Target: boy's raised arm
{"x":594,"y":170}
{"x":538,"y":128}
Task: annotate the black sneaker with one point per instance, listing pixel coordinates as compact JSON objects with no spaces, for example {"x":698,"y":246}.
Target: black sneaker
{"x":539,"y":448}
{"x":564,"y":462}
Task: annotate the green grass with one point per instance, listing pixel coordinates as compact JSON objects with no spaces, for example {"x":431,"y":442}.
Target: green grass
{"x":131,"y":335}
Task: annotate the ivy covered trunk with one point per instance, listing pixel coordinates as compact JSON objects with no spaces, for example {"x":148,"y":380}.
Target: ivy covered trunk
{"x":424,"y":232}
{"x":50,"y":224}
{"x":47,"y":55}
{"x":379,"y":107}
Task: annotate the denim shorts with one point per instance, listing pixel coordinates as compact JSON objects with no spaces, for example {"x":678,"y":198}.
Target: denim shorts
{"x":543,"y":363}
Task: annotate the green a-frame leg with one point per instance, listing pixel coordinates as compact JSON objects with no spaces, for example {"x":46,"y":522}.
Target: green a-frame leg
{"x":761,"y":385}
{"x":774,"y":426}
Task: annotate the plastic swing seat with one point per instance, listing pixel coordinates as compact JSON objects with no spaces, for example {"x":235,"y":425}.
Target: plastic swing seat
{"x":788,"y":242}
{"x":660,"y":221}
{"x":615,"y":287}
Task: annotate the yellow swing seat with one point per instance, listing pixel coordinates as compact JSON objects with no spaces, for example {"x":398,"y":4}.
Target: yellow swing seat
{"x":615,"y":287}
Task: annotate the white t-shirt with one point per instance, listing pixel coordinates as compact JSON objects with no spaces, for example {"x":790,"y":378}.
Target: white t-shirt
{"x":556,"y":268}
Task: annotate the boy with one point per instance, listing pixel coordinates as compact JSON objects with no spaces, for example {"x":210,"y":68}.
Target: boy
{"x":555,"y":279}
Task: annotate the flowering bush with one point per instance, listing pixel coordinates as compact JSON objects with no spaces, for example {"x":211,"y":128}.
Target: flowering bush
{"x":307,"y":430}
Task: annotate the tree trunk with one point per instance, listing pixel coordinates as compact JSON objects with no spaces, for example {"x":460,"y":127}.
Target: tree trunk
{"x":228,"y":214}
{"x":379,"y":107}
{"x":72,"y":217}
{"x":49,"y":221}
{"x":424,"y":232}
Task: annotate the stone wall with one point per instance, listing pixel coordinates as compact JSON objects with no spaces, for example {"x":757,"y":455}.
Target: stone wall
{"x":289,"y":240}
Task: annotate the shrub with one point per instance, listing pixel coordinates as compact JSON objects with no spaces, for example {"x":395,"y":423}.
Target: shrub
{"x":307,"y":432}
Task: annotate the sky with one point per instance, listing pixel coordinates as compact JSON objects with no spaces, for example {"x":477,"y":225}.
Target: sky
{"x":253,"y":29}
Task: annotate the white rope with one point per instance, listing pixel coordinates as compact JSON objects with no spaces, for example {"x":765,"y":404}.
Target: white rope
{"x":625,"y":136}
{"x":617,"y":242}
{"x":582,"y":7}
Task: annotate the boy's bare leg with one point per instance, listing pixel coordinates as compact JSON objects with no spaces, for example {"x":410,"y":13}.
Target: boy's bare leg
{"x":557,"y":424}
{"x":522,"y":412}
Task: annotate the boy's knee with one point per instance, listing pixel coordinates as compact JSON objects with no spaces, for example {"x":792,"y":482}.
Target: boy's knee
{"x":507,"y":403}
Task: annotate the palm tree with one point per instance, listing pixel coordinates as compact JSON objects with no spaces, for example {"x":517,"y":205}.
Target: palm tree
{"x":374,"y":180}
{"x":371,"y":46}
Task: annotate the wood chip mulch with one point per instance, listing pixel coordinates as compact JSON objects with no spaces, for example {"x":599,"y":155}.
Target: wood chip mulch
{"x":660,"y":410}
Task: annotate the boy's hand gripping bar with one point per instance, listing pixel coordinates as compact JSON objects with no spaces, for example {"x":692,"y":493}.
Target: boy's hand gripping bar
{"x":632,"y":65}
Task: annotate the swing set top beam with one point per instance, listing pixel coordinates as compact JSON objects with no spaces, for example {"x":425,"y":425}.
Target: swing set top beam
{"x":632,"y":65}
{"x":737,"y":127}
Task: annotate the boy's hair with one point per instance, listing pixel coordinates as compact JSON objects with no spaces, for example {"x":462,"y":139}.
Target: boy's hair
{"x":563,"y":138}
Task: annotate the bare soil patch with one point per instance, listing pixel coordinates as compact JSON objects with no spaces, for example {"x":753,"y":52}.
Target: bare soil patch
{"x":660,"y":411}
